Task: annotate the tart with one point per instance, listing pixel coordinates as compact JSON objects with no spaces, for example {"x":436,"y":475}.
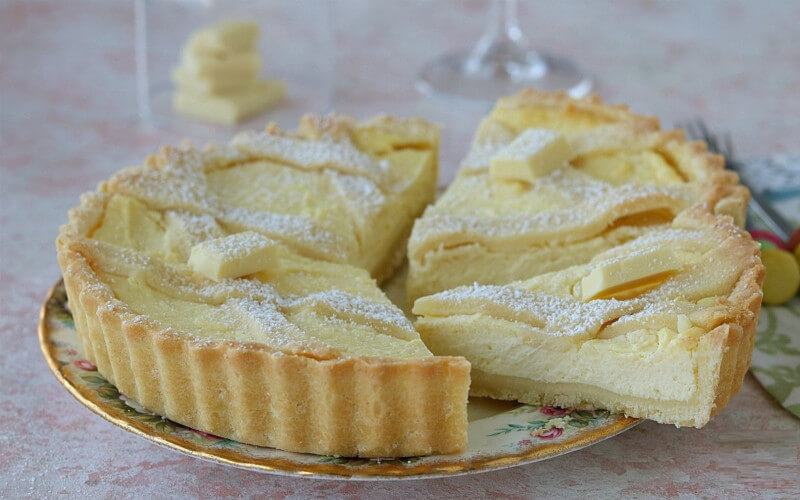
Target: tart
{"x":234,"y":289}
{"x":671,"y":344}
{"x":584,"y":258}
{"x":625,"y":178}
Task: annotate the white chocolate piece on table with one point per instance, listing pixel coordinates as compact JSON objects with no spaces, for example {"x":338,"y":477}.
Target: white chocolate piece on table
{"x":224,"y":37}
{"x":630,"y":275}
{"x":233,"y":256}
{"x":229,"y":109}
{"x":535,"y":153}
{"x":231,"y":66}
{"x":220,"y":84}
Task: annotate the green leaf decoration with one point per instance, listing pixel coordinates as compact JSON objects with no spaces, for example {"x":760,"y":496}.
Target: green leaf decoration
{"x":108,"y":392}
{"x":785,"y":379}
{"x":94,"y":379}
{"x":769,"y":340}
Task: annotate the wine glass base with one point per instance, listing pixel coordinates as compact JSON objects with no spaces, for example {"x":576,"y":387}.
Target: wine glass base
{"x":458,"y":76}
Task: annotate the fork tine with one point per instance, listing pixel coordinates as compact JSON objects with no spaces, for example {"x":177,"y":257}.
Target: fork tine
{"x":723,"y":145}
{"x":704,"y":132}
{"x":702,"y":126}
{"x":700,"y":132}
{"x":728,"y":153}
{"x":688,"y":127}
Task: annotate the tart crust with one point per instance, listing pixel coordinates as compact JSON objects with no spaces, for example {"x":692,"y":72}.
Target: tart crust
{"x":302,"y":400}
{"x":723,"y":352}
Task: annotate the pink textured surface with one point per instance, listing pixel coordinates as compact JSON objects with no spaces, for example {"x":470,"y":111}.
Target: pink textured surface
{"x":67,"y":120}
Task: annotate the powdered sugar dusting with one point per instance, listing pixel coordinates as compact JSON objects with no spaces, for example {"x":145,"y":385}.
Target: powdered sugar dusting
{"x":265,"y":322}
{"x":298,"y":231}
{"x":547,"y":314}
{"x":582,"y":206}
{"x":340,"y":304}
{"x":261,"y":313}
{"x":479,"y":156}
{"x":340,"y":155}
{"x":709,"y":263}
{"x":364,"y":193}
{"x":237,"y":245}
{"x":199,"y":227}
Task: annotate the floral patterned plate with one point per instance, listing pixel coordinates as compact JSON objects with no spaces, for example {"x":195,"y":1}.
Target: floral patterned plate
{"x":501,"y":434}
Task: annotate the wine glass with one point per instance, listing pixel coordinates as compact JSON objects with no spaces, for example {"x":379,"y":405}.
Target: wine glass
{"x":501,"y":63}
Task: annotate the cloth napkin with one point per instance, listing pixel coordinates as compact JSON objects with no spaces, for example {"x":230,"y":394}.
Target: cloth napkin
{"x":776,"y":357}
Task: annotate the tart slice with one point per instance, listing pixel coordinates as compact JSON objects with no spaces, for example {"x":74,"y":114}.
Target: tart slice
{"x":660,"y":327}
{"x":550,"y":181}
{"x":216,"y":288}
{"x":334,"y":189}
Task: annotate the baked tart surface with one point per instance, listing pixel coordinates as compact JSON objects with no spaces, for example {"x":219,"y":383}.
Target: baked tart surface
{"x":584,"y":258}
{"x":624,"y":178}
{"x":672,"y":346}
{"x":219,"y":288}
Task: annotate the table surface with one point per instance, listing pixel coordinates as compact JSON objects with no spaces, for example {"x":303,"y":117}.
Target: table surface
{"x":67,"y":120}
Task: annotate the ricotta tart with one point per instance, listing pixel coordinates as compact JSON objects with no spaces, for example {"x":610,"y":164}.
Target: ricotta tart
{"x":660,"y":327}
{"x":234,"y":289}
{"x":551,"y":181}
{"x":584,"y":258}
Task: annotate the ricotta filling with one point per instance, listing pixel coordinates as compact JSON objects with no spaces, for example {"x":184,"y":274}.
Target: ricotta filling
{"x":297,"y":304}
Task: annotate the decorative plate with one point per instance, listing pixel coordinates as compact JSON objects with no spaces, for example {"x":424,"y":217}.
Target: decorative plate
{"x":501,"y":434}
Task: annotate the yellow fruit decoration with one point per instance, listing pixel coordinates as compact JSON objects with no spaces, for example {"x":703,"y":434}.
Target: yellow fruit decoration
{"x":797,"y":254}
{"x":783,"y":275}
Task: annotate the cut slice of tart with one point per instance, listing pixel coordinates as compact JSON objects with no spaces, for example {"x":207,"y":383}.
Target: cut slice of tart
{"x":216,"y":288}
{"x":660,"y":327}
{"x":334,"y":189}
{"x":550,"y":181}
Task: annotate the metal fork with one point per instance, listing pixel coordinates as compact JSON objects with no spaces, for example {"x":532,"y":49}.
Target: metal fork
{"x":697,"y":130}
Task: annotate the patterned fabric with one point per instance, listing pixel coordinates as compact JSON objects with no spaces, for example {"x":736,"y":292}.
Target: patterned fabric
{"x":776,"y":358}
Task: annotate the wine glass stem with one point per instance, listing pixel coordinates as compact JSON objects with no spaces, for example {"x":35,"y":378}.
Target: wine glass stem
{"x":502,"y":61}
{"x":502,"y":27}
{"x":502,"y":45}
{"x":503,"y":24}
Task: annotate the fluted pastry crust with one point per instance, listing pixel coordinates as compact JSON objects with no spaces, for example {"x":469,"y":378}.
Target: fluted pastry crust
{"x":725,"y":321}
{"x":305,"y":398}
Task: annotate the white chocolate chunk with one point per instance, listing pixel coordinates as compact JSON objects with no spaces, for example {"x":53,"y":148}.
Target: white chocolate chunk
{"x":243,"y":66}
{"x":684,"y":323}
{"x":223,"y":37}
{"x":233,"y":256}
{"x":535,"y":153}
{"x":217,"y":78}
{"x":707,"y":302}
{"x":229,"y":109}
{"x":222,"y":84}
{"x":629,"y":275}
{"x":184,"y":230}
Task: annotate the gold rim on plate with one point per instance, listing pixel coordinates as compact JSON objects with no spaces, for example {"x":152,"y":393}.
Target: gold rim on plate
{"x":373,"y":470}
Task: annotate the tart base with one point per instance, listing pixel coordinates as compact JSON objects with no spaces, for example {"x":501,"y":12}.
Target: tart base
{"x":725,"y":361}
{"x":365,"y":407}
{"x":721,"y":355}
